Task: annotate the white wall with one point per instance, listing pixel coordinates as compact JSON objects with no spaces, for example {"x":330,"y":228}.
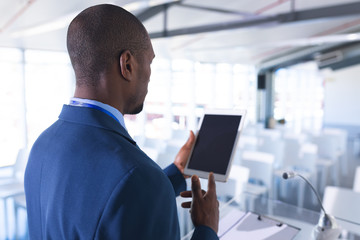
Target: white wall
{"x":342,"y":96}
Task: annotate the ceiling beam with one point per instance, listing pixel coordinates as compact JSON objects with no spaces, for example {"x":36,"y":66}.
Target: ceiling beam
{"x":350,"y":9}
{"x":341,"y":10}
{"x":218,"y":10}
{"x":152,"y":11}
{"x":215,"y":27}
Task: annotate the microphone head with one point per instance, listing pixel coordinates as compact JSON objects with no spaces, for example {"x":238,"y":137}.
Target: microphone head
{"x":287,"y":175}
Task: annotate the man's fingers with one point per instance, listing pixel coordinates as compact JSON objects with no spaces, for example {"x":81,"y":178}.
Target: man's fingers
{"x":211,"y":183}
{"x":184,"y":153}
{"x":191,"y":139}
{"x":196,"y":187}
{"x":186,"y":194}
{"x":186,"y":204}
{"x":189,"y":143}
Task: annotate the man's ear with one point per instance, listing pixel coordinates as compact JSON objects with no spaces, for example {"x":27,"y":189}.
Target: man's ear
{"x":126,"y":65}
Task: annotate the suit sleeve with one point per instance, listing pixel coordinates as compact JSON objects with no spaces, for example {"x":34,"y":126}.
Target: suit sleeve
{"x":203,"y":232}
{"x":176,"y":178}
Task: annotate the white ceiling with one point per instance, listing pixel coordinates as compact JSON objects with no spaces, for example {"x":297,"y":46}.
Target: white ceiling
{"x":41,"y":24}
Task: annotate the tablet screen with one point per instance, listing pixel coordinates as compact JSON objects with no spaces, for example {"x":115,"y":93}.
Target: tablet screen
{"x":214,"y":143}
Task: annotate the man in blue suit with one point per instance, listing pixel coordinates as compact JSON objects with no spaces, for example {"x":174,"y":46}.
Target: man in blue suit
{"x":86,"y":178}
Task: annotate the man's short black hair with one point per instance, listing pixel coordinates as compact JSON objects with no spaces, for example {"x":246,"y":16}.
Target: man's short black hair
{"x":98,"y":35}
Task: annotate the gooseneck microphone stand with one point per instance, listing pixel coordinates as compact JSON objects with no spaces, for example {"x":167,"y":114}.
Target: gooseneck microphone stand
{"x":326,"y":229}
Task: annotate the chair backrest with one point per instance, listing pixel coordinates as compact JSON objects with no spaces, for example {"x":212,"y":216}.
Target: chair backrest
{"x":330,"y":145}
{"x":342,"y":203}
{"x":340,"y":135}
{"x":260,"y":165}
{"x":272,"y":145}
{"x":247,"y":142}
{"x":356,"y":186}
{"x":307,"y":157}
{"x":20,"y":164}
{"x":292,"y":146}
{"x":239,"y":175}
{"x":270,"y":133}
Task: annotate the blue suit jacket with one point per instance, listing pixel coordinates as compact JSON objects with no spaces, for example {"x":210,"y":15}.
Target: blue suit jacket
{"x":87,"y":179}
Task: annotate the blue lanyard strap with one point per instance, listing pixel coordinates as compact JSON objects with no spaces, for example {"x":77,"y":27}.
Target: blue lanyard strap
{"x":82,"y":104}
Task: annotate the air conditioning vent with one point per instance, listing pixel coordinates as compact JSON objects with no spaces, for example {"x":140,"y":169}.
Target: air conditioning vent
{"x":329,"y":58}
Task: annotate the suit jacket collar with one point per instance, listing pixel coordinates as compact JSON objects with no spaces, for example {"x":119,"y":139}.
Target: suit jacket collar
{"x":93,"y":117}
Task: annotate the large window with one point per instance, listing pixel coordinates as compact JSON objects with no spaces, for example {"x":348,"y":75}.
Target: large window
{"x":35,"y":84}
{"x":49,"y":83}
{"x":299,"y":97}
{"x":12,"y":127}
{"x":179,"y":90}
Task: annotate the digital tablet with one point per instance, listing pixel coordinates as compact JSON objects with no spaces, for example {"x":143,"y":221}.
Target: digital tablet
{"x":215,"y":144}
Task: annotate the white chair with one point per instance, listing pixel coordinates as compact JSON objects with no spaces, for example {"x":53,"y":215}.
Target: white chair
{"x":342,"y":203}
{"x":238,"y":177}
{"x":260,"y":181}
{"x":8,"y":191}
{"x":252,"y":129}
{"x":299,"y":156}
{"x":291,"y":158}
{"x":18,"y":169}
{"x":308,"y":166}
{"x":329,"y":155}
{"x":260,"y":165}
{"x":292,"y":148}
{"x":21,"y":222}
{"x":341,"y":137}
{"x":270,"y":141}
{"x":248,"y":142}
{"x":269,"y":133}
{"x":356,"y":186}
{"x":13,"y":185}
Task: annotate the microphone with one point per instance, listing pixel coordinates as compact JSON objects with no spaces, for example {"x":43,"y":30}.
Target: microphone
{"x":326,"y":229}
{"x":290,"y":174}
{"x":287,"y":175}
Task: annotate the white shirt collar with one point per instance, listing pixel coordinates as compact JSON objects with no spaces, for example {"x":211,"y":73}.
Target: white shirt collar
{"x":116,"y":113}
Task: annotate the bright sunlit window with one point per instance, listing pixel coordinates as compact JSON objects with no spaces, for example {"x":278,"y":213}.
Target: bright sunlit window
{"x":12,"y":127}
{"x":299,"y":97}
{"x":35,"y":85}
{"x":179,"y":90}
{"x":49,"y":84}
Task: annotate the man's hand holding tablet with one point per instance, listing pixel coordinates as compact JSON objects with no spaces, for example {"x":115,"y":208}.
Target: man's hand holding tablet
{"x":215,"y":144}
{"x":211,"y":155}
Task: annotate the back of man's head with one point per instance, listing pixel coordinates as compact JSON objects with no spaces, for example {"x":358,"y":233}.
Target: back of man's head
{"x":96,"y":38}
